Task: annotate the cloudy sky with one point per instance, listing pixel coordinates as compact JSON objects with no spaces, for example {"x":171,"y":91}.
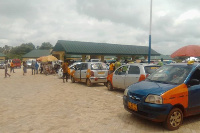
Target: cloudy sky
{"x":175,"y":23}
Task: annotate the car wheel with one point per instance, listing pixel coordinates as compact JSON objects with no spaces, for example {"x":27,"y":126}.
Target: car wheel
{"x":174,"y":119}
{"x":72,"y":79}
{"x":109,"y":86}
{"x":88,"y":82}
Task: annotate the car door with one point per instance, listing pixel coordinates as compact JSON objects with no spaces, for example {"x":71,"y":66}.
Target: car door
{"x":194,"y":93}
{"x":84,"y":67}
{"x":132,"y":76}
{"x":119,"y":76}
{"x":77,"y":73}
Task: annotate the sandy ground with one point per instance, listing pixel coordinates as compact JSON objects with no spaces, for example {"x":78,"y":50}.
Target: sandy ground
{"x":43,"y":104}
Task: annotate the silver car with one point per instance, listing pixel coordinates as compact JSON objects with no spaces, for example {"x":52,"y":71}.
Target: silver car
{"x":90,"y":72}
{"x":129,"y":74}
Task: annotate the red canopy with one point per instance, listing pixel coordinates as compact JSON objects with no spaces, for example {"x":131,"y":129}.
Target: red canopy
{"x":187,"y":51}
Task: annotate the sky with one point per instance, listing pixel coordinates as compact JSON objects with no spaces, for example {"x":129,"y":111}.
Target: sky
{"x":175,"y":23}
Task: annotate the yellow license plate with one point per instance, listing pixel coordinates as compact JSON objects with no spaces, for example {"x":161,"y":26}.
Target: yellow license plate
{"x":101,"y":72}
{"x":132,"y":106}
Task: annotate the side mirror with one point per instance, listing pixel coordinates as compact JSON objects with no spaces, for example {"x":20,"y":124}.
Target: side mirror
{"x":193,"y":82}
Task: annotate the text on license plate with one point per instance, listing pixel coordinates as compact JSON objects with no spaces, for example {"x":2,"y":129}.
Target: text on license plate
{"x":132,"y":106}
{"x":101,"y":72}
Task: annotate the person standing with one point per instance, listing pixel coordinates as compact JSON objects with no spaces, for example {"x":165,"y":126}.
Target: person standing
{"x":33,"y":67}
{"x":65,"y":71}
{"x":117,"y":64}
{"x":12,"y":67}
{"x":36,"y":67}
{"x":6,"y":69}
{"x":24,"y":67}
{"x":111,"y":67}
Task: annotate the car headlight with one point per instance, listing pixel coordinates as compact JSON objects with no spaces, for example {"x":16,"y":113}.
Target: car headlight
{"x":154,"y":99}
{"x":126,"y":92}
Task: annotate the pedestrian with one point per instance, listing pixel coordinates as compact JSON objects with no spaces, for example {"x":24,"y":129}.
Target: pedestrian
{"x":36,"y":67}
{"x":111,"y":67}
{"x":41,"y":68}
{"x":65,"y":71}
{"x":33,"y":67}
{"x":160,"y":63}
{"x":24,"y":67}
{"x":6,"y":69}
{"x":117,"y":64}
{"x":12,"y":67}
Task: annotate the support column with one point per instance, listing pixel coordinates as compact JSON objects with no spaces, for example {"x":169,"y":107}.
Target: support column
{"x":83,"y":58}
{"x":102,"y":58}
{"x":133,"y":57}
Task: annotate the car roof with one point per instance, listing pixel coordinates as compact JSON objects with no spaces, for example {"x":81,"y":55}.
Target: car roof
{"x":142,"y":64}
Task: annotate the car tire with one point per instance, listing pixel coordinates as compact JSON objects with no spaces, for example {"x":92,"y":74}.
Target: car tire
{"x":109,"y":86}
{"x":73,"y":80}
{"x":174,"y":119}
{"x":88,"y":82}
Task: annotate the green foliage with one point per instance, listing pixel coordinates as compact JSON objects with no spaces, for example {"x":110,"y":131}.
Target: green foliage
{"x":19,"y":51}
{"x":46,"y":46}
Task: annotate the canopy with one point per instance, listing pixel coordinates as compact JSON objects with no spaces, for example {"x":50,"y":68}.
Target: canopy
{"x":47,"y":58}
{"x":187,"y":51}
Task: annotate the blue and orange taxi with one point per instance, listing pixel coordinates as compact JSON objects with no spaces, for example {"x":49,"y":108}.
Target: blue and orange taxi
{"x":167,"y":95}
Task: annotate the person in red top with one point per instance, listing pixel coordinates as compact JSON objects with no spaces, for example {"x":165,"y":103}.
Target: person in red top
{"x":12,"y":67}
{"x":65,"y":71}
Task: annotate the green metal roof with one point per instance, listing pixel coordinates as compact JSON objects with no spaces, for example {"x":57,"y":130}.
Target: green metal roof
{"x":2,"y":55}
{"x":165,"y":57}
{"x":76,"y":47}
{"x":37,"y":53}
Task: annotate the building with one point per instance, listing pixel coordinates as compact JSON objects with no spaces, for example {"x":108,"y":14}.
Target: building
{"x":2,"y":56}
{"x":34,"y":54}
{"x":67,"y":49}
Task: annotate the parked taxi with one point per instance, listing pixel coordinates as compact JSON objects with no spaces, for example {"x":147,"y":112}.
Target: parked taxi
{"x":167,"y":95}
{"x":89,"y":72}
{"x":128,"y":74}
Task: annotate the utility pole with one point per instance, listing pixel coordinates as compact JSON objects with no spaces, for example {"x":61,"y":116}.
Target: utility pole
{"x":149,"y":54}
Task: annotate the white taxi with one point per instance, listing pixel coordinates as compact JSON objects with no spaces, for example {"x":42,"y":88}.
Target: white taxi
{"x":129,"y":74}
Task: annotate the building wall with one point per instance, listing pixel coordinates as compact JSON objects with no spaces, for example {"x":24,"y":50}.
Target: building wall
{"x":2,"y":58}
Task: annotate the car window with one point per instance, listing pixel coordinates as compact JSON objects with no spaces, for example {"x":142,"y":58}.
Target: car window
{"x":84,"y":66}
{"x":150,"y":69}
{"x":98,"y":66}
{"x":121,"y":70}
{"x":134,"y":70}
{"x":78,"y":66}
{"x":171,"y":74}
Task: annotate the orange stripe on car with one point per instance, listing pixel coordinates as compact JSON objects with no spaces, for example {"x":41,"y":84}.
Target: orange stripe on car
{"x":88,"y":73}
{"x":110,"y":78}
{"x":177,"y":95}
{"x":142,"y":77}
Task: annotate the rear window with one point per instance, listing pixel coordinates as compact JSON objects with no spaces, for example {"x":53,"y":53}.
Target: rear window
{"x":98,"y":66}
{"x":150,"y":69}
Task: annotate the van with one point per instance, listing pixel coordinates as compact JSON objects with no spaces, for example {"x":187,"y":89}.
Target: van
{"x":17,"y":63}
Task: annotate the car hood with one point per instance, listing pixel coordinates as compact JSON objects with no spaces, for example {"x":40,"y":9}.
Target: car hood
{"x":147,"y":87}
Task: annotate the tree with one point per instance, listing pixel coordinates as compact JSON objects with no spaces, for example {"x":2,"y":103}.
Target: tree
{"x":46,"y":46}
{"x":19,"y":51}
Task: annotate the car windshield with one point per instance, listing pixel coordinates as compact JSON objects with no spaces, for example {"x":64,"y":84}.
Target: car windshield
{"x":98,"y":66}
{"x":170,"y":74}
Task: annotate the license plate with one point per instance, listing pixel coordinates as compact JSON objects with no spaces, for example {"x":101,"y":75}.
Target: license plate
{"x":101,"y":72}
{"x":132,"y":106}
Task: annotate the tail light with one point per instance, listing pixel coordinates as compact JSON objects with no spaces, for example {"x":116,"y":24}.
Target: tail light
{"x":147,"y":75}
{"x":91,"y":73}
{"x":142,"y":77}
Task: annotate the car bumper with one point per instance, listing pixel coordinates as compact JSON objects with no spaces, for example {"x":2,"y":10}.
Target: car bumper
{"x":154,"y":112}
{"x":98,"y":79}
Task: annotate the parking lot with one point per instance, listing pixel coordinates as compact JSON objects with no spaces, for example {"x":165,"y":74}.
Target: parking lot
{"x":44,"y":104}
